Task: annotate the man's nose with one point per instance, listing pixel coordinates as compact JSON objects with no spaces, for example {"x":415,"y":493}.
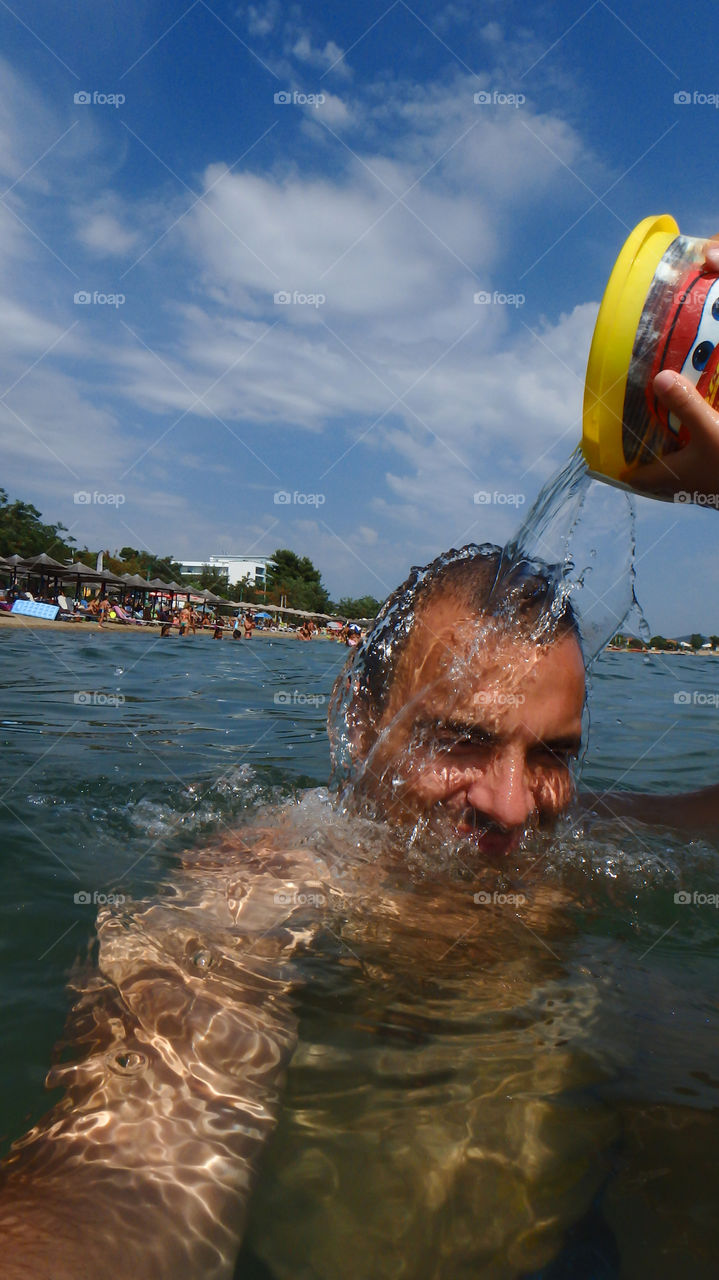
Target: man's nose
{"x":501,"y":791}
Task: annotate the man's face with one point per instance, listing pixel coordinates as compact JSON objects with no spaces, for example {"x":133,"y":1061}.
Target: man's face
{"x":479,"y":730}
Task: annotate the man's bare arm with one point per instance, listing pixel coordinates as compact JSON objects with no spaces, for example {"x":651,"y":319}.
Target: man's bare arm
{"x":694,"y":811}
{"x":153,"y":1151}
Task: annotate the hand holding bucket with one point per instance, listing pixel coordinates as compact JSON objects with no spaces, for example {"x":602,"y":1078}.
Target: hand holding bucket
{"x":653,"y":372}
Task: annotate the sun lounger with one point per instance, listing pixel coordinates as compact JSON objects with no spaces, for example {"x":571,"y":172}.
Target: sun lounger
{"x":121,"y":615}
{"x":67,"y":612}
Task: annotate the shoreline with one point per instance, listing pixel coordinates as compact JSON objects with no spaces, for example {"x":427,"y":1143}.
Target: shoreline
{"x":21,"y":622}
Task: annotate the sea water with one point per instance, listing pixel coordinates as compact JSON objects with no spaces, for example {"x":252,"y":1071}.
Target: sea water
{"x":496,"y":1074}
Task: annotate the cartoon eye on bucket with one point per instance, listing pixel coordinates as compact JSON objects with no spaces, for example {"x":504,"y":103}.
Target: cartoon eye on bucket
{"x":702,"y":352}
{"x":706,"y":333}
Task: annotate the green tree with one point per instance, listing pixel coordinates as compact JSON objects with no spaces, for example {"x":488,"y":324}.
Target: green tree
{"x":296,"y":578}
{"x":23,"y":533}
{"x":659,"y":642}
{"x":361,"y":607}
{"x":211,"y":579}
{"x":714,"y":641}
{"x":696,"y":641}
{"x":246,"y":591}
{"x":144,"y":563}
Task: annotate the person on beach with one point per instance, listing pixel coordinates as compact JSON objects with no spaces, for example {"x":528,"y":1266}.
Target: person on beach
{"x":461,"y":716}
{"x":98,"y":609}
{"x":249,"y":625}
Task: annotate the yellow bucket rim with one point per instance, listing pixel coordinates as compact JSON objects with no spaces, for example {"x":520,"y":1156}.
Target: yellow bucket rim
{"x":613,"y":342}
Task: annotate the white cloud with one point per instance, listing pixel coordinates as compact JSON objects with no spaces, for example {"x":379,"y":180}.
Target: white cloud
{"x":330,"y":56}
{"x":491,"y":32}
{"x":332,"y":111}
{"x":262,"y":18}
{"x":104,"y":235}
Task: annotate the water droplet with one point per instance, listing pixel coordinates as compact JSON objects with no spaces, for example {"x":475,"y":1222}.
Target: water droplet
{"x":128,"y":1062}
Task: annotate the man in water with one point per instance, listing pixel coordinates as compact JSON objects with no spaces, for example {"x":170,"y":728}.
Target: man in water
{"x":455,"y":728}
{"x":454,"y":733}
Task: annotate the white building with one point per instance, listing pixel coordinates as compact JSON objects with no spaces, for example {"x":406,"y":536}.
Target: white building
{"x":232,"y":568}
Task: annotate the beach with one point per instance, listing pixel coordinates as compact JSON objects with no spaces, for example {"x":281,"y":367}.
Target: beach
{"x":20,"y":622}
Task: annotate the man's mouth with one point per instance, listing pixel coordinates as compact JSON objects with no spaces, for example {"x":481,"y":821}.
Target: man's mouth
{"x":488,"y":839}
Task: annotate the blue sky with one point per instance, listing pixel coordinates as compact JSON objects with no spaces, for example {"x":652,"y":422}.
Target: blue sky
{"x":380,"y":197}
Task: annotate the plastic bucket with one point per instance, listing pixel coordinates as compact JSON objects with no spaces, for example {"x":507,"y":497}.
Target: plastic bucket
{"x":660,"y":310}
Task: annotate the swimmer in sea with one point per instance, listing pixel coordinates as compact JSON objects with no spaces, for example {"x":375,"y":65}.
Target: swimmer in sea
{"x":454,"y":729}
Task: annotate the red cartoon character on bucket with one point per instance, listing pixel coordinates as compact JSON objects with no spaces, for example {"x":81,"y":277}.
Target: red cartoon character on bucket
{"x":689,"y":343}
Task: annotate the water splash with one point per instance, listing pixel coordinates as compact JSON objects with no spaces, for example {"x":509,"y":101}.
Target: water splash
{"x":586,"y":531}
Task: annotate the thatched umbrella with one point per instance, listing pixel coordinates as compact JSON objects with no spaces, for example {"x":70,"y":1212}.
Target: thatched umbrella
{"x":42,"y":566}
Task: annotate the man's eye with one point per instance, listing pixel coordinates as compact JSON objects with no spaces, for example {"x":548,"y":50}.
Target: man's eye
{"x":448,"y":740}
{"x":562,"y":756}
{"x":445,"y":741}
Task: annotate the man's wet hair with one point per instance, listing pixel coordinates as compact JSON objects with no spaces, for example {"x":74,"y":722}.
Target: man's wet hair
{"x":527,"y":598}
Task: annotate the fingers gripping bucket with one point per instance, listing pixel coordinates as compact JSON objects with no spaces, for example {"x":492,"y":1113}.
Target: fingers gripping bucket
{"x":660,"y":310}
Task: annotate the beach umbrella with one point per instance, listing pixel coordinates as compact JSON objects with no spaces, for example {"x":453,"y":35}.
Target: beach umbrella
{"x":134,"y":581}
{"x":335,"y":626}
{"x":178,"y":589}
{"x":42,"y":564}
{"x":263,"y":614}
{"x":12,"y":562}
{"x":79,"y":570}
{"x":110,"y":578}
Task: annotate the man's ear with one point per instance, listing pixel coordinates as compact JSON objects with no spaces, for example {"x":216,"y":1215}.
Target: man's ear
{"x":360,"y":727}
{"x":350,"y":723}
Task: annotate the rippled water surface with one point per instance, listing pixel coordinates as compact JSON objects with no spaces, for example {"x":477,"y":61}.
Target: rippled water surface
{"x":477,"y":1090}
